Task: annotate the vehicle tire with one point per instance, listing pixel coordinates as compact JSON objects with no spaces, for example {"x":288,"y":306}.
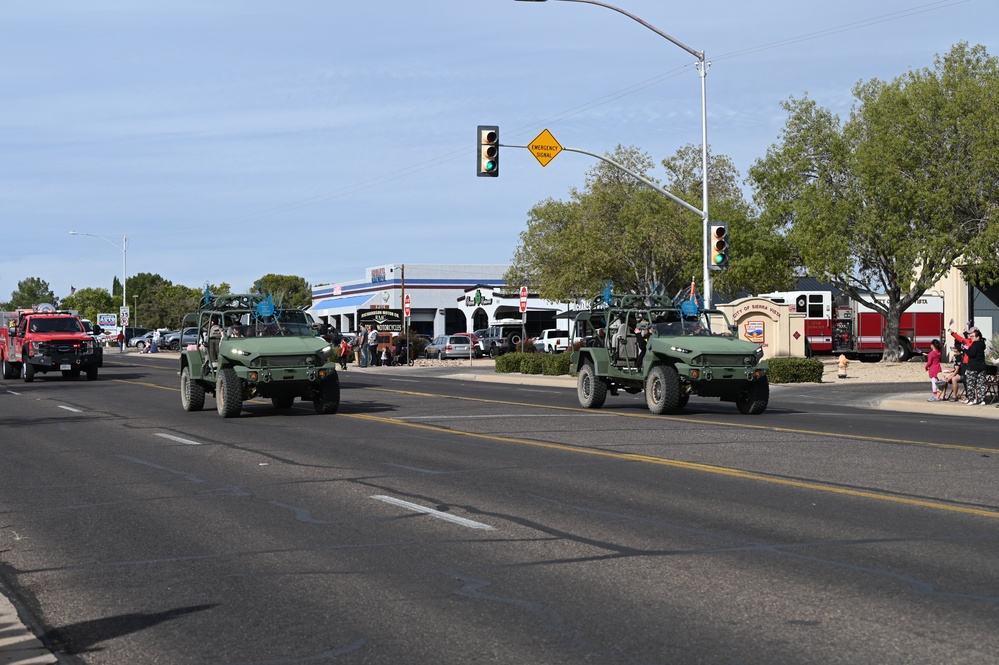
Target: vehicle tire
{"x":493,"y":351}
{"x":283,"y":401}
{"x":192,"y":393}
{"x":326,"y":398}
{"x":591,"y":390}
{"x":513,"y":340}
{"x":175,"y":345}
{"x":753,"y":399}
{"x":29,"y":371}
{"x":8,"y":369}
{"x":441,"y":355}
{"x":140,"y":345}
{"x":228,"y":393}
{"x":662,"y":389}
{"x":91,"y":373}
{"x":550,"y":349}
{"x":905,"y":350}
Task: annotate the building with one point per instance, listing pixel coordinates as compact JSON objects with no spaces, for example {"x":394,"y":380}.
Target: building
{"x":444,"y":299}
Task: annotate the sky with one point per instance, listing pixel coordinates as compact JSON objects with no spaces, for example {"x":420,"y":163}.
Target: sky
{"x":229,"y":139}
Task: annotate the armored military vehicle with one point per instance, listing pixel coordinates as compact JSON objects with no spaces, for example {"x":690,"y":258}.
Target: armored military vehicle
{"x":248,"y":347}
{"x":669,"y":348}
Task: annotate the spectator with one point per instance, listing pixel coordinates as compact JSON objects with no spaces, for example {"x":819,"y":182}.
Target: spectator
{"x":932,"y":368}
{"x":372,"y":345}
{"x":974,"y":376}
{"x":954,"y":376}
{"x":345,"y":354}
{"x":121,"y":341}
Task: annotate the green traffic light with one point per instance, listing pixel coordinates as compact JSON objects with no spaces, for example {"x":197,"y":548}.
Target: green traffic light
{"x":719,"y":259}
{"x":490,"y":166}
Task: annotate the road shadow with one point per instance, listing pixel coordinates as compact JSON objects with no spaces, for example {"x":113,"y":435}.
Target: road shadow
{"x":78,"y":638}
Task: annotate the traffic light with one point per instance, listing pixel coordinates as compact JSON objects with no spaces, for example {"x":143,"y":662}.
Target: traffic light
{"x":488,"y":153}
{"x":718,"y":237}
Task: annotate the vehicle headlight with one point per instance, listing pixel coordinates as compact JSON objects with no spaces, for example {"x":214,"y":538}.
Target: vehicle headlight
{"x":749,"y":360}
{"x":239,"y":352}
{"x":680,"y":349}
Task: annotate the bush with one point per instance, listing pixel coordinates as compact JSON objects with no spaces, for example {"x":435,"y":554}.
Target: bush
{"x":795,"y":370}
{"x":533,"y":363}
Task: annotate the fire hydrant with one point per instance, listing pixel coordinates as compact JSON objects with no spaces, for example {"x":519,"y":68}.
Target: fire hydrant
{"x":843,"y":362}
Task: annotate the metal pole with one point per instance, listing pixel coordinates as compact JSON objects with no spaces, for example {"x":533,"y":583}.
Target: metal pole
{"x":702,"y":65}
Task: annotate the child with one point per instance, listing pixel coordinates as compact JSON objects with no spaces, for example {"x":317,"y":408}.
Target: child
{"x":932,"y":368}
{"x":386,"y":357}
{"x":345,"y":354}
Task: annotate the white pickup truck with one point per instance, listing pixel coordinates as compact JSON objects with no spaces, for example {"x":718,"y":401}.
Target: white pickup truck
{"x":552,"y":341}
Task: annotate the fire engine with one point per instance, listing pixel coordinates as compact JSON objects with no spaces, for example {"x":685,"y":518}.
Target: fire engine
{"x":838,"y":324}
{"x":41,"y":340}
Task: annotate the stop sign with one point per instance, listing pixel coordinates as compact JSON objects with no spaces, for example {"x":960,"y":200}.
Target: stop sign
{"x":523,"y":299}
{"x":406,"y":309}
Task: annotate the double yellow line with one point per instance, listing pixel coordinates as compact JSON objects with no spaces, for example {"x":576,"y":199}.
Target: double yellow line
{"x":693,"y":466}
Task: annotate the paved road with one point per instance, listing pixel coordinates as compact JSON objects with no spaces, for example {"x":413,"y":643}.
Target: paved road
{"x":547,"y":534}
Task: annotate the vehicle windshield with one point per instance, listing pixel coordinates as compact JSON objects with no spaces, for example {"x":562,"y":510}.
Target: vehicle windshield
{"x":689,"y":326}
{"x":292,"y":323}
{"x":54,"y":325}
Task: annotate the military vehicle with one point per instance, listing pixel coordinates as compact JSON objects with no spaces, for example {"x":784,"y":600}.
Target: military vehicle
{"x":248,"y":347}
{"x":669,"y":348}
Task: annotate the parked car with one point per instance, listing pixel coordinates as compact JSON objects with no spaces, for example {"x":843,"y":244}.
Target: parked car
{"x":142,"y":341}
{"x":132,"y":332}
{"x":502,"y":337}
{"x":477,"y":339}
{"x":175,"y":340}
{"x":450,"y":346}
{"x":552,"y":340}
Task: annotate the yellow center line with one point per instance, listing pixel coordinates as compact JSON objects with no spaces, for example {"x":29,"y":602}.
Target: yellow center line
{"x":686,"y":419}
{"x":690,"y":466}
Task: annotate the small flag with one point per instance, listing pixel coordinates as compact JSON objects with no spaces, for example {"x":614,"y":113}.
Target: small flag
{"x":72,"y":290}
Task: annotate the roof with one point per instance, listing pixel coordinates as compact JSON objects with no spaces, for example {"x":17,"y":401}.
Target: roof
{"x":345,"y":301}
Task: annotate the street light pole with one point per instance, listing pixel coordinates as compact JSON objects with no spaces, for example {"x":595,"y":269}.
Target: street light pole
{"x":124,"y":259}
{"x":702,"y":67}
{"x":135,"y":301}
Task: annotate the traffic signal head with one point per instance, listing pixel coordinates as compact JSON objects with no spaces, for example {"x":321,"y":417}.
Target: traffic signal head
{"x":718,"y":237}
{"x":488,"y":152}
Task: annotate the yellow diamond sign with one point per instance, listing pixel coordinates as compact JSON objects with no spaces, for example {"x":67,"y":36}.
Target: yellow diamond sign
{"x":544,"y":147}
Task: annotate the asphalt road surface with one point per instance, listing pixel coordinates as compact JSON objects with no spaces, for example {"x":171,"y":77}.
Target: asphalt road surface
{"x":449,"y":521}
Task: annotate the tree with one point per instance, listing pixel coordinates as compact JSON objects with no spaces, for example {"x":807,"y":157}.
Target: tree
{"x":291,"y":290}
{"x":32,"y":291}
{"x":90,"y":302}
{"x":620,"y":230}
{"x":891,"y":200}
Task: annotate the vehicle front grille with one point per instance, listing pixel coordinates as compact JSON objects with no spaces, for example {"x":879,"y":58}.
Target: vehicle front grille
{"x":720,"y":360}
{"x":281,"y":361}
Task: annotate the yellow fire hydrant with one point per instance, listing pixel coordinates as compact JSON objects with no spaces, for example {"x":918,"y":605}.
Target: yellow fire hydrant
{"x":843,"y":362}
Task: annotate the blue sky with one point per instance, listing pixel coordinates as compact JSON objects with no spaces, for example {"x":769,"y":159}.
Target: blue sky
{"x":228,"y":139}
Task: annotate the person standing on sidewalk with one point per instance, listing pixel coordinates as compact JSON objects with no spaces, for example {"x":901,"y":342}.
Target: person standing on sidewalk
{"x":121,"y":341}
{"x":974,"y":376}
{"x":372,"y":345}
{"x":932,"y":367}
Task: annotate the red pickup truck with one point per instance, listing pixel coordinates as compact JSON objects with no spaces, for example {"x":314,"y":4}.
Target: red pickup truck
{"x":46,"y":340}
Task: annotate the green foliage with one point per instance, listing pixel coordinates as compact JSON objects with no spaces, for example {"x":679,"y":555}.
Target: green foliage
{"x":533,"y":363}
{"x":293,"y":291}
{"x":795,"y":370}
{"x":90,"y":302}
{"x":889,"y":201}
{"x":32,"y":291}
{"x":619,"y":229}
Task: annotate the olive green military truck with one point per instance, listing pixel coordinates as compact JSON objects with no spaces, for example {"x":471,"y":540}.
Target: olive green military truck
{"x":248,"y":347}
{"x":668,"y":348}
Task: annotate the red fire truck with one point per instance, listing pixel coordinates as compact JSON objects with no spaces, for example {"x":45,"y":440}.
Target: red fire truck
{"x":42,"y":340}
{"x":842,"y":325}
